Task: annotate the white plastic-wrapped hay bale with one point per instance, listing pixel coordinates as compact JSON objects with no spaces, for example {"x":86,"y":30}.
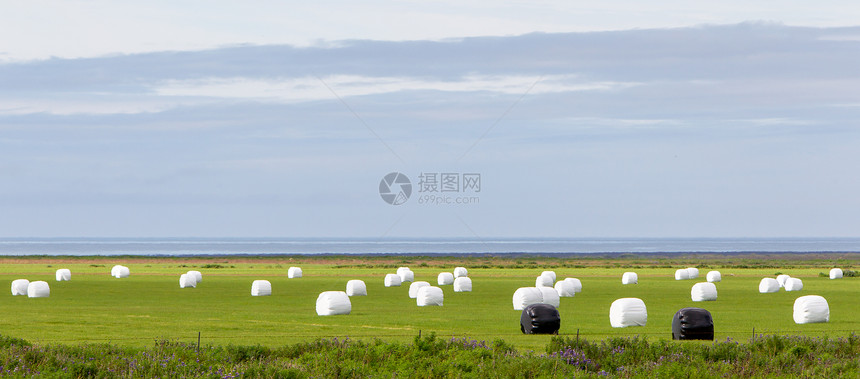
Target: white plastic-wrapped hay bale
{"x":463,"y":284}
{"x":714,"y":276}
{"x":526,"y":296}
{"x":692,"y":272}
{"x":120,"y":271}
{"x":63,"y":275}
{"x":19,"y":287}
{"x":198,"y":276}
{"x":551,"y":275}
{"x":406,"y":276}
{"x":549,"y":296}
{"x":543,"y":281}
{"x":430,"y":296}
{"x":261,"y":288}
{"x":682,"y":274}
{"x":445,"y":279}
{"x":415,"y":286}
{"x":38,"y":289}
{"x":564,"y":288}
{"x":577,"y":284}
{"x":629,"y":278}
{"x":810,"y":309}
{"x":460,"y":271}
{"x":356,"y":287}
{"x":704,"y":292}
{"x":628,"y":311}
{"x":781,"y":279}
{"x":331,"y":303}
{"x":187,"y":281}
{"x":793,"y":284}
{"x":836,"y":273}
{"x":294,"y":272}
{"x":768,"y":285}
{"x":392,"y":280}
{"x":401,"y":269}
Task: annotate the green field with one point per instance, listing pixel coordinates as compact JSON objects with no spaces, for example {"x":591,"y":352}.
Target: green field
{"x":95,"y":307}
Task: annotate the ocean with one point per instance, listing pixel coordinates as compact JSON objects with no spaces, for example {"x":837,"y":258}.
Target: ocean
{"x":272,"y":246}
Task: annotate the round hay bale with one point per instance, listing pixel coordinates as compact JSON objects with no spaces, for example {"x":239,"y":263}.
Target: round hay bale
{"x":629,"y":278}
{"x":63,"y":275}
{"x":768,"y":285}
{"x":704,"y":292}
{"x":628,"y":311}
{"x":261,"y":288}
{"x":460,"y":271}
{"x":38,"y":289}
{"x":331,"y":303}
{"x":120,"y":271}
{"x":811,"y":309}
{"x":187,"y":281}
{"x":392,"y":280}
{"x":714,"y":276}
{"x":430,"y":296}
{"x":526,"y":296}
{"x":445,"y":279}
{"x":682,"y":274}
{"x":356,"y":287}
{"x":463,"y":284}
{"x":294,"y":272}
{"x":19,"y":287}
{"x":836,"y":273}
{"x":781,"y":279}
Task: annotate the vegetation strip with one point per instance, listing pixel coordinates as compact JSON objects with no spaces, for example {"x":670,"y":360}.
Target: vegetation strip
{"x":429,"y":356}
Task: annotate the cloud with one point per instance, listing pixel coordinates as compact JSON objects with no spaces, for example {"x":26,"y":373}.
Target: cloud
{"x":642,"y":132}
{"x":313,"y":88}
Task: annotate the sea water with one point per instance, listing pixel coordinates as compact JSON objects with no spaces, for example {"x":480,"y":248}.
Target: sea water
{"x":270,"y":246}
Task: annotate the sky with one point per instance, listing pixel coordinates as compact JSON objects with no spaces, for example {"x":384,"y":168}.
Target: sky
{"x":509,"y":119}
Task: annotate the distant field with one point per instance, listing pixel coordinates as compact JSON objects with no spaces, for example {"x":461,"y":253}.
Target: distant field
{"x":94,"y":307}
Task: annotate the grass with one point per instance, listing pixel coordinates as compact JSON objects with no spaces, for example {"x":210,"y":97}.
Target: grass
{"x":96,"y":308}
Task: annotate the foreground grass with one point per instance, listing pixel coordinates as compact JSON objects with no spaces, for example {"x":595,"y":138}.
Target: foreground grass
{"x":429,"y":356}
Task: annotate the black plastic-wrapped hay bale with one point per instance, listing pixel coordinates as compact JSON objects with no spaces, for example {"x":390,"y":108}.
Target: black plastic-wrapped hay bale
{"x":693,"y":324}
{"x":540,"y":319}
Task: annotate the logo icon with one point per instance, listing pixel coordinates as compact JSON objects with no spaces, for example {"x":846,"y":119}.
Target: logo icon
{"x":395,"y":188}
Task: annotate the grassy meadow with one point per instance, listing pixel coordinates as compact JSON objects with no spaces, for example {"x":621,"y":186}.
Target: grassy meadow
{"x":96,"y":308}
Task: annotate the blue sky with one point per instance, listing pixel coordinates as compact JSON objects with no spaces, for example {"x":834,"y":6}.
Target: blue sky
{"x":185,"y":119}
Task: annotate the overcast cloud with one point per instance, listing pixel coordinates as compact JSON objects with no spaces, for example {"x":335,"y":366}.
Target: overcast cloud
{"x":738,"y":130}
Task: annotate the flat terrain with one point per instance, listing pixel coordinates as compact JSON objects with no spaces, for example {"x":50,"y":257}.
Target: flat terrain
{"x":149,"y":305}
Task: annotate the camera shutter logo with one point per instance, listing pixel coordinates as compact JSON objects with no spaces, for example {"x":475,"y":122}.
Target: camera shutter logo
{"x":395,"y":188}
